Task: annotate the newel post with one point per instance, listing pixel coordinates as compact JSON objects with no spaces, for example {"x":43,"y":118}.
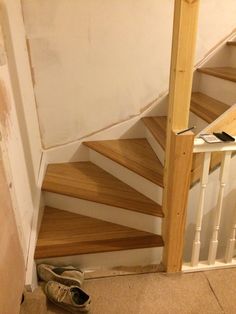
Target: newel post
{"x":179,"y":148}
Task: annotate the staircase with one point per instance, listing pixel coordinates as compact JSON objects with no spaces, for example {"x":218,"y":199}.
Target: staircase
{"x":113,"y":202}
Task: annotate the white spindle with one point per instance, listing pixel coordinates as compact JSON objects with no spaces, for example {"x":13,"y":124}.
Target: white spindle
{"x":223,"y":177}
{"x":231,"y":243}
{"x":197,"y":238}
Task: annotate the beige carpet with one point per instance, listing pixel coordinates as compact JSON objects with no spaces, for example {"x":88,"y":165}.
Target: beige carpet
{"x":199,"y":293}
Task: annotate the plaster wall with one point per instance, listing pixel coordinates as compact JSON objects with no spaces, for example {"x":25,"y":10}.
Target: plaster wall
{"x":12,"y":271}
{"x":100,"y":62}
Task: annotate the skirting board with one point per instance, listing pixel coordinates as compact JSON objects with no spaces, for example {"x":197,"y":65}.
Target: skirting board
{"x":136,"y":257}
{"x":31,"y":280}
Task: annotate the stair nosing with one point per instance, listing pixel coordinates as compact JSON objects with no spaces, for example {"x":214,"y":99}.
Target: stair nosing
{"x":155,"y":211}
{"x":210,"y":71}
{"x":120,"y":241}
{"x":160,"y":213}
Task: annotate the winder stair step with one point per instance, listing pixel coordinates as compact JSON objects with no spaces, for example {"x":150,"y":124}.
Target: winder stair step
{"x":86,"y":181}
{"x":135,"y":154}
{"x":65,"y":234}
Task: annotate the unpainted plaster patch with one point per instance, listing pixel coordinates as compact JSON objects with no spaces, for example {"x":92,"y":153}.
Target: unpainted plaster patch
{"x":4,"y":108}
{"x":3,"y":57}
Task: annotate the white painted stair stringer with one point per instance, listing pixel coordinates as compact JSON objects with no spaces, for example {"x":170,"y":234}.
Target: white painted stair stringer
{"x":87,"y":262}
{"x":125,"y":217}
{"x":159,"y":151}
{"x":139,"y":183}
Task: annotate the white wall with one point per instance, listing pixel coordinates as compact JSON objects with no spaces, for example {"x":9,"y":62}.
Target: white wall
{"x":97,"y":63}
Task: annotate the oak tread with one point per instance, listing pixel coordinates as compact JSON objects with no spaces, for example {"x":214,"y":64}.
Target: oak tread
{"x":207,"y":108}
{"x":157,"y":126}
{"x":135,"y":154}
{"x":226,"y":73}
{"x":65,"y":234}
{"x":231,"y":43}
{"x":84,"y":180}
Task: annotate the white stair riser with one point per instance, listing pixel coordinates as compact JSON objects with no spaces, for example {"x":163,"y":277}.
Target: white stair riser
{"x":139,"y":183}
{"x":217,"y":88}
{"x":194,"y":120}
{"x":108,"y":213}
{"x":136,"y":257}
{"x":156,"y":146}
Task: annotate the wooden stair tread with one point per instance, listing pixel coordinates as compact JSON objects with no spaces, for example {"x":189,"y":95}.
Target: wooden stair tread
{"x":231,"y":43}
{"x":135,"y":154}
{"x":86,"y":181}
{"x":206,"y":107}
{"x":157,"y":126}
{"x":65,"y":234}
{"x":226,"y":73}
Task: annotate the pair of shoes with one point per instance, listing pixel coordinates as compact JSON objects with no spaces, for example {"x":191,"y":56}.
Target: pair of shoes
{"x":63,"y":287}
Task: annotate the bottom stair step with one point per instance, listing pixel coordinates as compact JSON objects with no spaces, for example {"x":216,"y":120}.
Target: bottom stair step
{"x":64,"y":234}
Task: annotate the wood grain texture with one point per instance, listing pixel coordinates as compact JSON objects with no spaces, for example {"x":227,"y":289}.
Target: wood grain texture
{"x":226,"y":73}
{"x":86,"y":181}
{"x":175,"y":203}
{"x":231,"y":43}
{"x":64,"y":234}
{"x":181,"y":76}
{"x":135,"y":154}
{"x":226,"y":122}
{"x":206,"y":107}
{"x":157,"y":126}
{"x":182,"y":62}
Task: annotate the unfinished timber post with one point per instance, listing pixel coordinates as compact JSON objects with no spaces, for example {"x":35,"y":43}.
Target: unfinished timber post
{"x":179,"y":148}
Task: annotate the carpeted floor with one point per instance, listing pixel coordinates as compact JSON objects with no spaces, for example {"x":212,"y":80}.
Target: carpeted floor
{"x":209,"y":292}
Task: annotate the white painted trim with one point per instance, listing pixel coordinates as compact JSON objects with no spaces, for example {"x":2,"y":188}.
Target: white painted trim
{"x":136,"y":257}
{"x":139,"y":183}
{"x":42,"y":170}
{"x":108,"y":213}
{"x":200,"y":146}
{"x":202,"y":266}
{"x":31,"y":280}
{"x":159,"y":151}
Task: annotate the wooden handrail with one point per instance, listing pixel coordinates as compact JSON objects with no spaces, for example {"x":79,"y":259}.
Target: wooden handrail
{"x":225,"y":122}
{"x":177,"y":169}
